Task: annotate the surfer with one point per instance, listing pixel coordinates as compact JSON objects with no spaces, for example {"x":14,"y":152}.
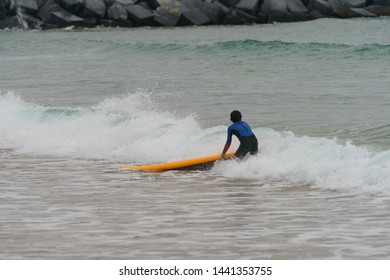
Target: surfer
{"x":244,"y":133}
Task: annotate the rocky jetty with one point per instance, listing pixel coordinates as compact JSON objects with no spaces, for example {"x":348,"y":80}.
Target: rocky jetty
{"x":45,"y":14}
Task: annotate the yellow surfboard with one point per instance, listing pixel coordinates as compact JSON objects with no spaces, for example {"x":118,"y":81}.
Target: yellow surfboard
{"x":181,"y":164}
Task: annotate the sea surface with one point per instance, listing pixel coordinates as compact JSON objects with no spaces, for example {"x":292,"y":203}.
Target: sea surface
{"x":77,"y":104}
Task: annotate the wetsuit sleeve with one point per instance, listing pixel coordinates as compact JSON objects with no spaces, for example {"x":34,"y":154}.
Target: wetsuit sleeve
{"x":229,"y":135}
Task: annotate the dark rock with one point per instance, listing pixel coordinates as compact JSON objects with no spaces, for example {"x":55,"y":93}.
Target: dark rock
{"x":321,"y":6}
{"x":210,"y":8}
{"x":249,"y":6}
{"x":64,"y":19}
{"x":315,"y":14}
{"x":361,"y":12}
{"x":139,"y":15}
{"x":93,"y":9}
{"x":284,"y":10}
{"x":385,"y":3}
{"x":275,"y":10}
{"x":109,"y":2}
{"x":213,"y":11}
{"x":31,"y":6}
{"x":379,"y":10}
{"x":153,"y":4}
{"x":345,"y":12}
{"x":145,"y":5}
{"x":31,"y":22}
{"x":3,"y":10}
{"x":225,"y":10}
{"x":354,"y":3}
{"x":296,"y":7}
{"x":194,"y":16}
{"x":164,"y":17}
{"x":171,"y":6}
{"x":229,"y":3}
{"x":342,"y":9}
{"x":236,"y":17}
{"x":117,"y":12}
{"x":115,"y":23}
{"x":73,"y":6}
{"x":9,"y":22}
{"x":90,"y":22}
{"x":125,"y":2}
{"x":41,"y":3}
{"x":192,"y":3}
{"x":46,"y":10}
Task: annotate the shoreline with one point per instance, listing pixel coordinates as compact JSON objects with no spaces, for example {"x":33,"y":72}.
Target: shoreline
{"x":51,"y":14}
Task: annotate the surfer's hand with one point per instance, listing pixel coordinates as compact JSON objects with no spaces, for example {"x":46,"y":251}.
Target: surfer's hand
{"x":222,"y":156}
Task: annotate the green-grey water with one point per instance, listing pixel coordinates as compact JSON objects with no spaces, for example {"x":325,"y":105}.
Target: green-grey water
{"x":77,"y":104}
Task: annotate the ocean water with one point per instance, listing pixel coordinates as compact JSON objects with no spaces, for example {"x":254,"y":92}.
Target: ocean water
{"x":77,"y":104}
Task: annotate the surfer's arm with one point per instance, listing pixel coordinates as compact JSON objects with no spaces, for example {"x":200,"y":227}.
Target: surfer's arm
{"x":225,"y":149}
{"x":228,"y":142}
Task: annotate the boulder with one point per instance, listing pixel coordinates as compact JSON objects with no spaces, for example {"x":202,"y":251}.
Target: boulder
{"x":275,"y":10}
{"x":115,"y":23}
{"x":362,"y":12}
{"x":64,"y":19}
{"x":73,"y":6}
{"x":171,"y":6}
{"x":32,"y":22}
{"x":346,"y":12}
{"x":125,"y":2}
{"x":378,"y":10}
{"x":164,"y":17}
{"x":90,"y":22}
{"x":109,"y":2}
{"x":341,"y":8}
{"x":213,"y":11}
{"x":139,"y":15}
{"x":9,"y":22}
{"x":249,"y":6}
{"x":284,"y":10}
{"x":153,"y":4}
{"x":192,"y":3}
{"x":296,"y":7}
{"x":385,"y":3}
{"x":225,"y":10}
{"x":194,"y":16}
{"x":236,"y":17}
{"x":314,"y":14}
{"x":229,"y":3}
{"x":321,"y":6}
{"x":46,"y":10}
{"x":117,"y":12}
{"x":31,"y":6}
{"x":354,"y":3}
{"x":93,"y":9}
{"x":169,"y":12}
{"x":3,"y":10}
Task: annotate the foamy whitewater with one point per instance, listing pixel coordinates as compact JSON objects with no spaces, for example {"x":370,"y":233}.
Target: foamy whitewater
{"x":131,"y":129}
{"x":75,"y":105}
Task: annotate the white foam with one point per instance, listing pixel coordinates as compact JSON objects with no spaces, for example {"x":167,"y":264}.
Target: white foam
{"x":320,"y":162}
{"x":128,"y":129}
{"x":132,"y":129}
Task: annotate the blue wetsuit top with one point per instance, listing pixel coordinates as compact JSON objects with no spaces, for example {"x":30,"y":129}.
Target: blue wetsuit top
{"x":240,"y":129}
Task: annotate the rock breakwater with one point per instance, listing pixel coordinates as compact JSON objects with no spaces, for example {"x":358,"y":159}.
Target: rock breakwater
{"x":46,"y":14}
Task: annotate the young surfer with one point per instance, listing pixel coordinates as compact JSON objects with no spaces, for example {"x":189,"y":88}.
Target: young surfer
{"x":242,"y":130}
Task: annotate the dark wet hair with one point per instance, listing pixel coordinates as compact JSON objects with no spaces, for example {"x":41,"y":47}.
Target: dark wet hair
{"x":235,"y":116}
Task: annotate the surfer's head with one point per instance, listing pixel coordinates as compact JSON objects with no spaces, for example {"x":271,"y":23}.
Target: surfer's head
{"x":235,"y":116}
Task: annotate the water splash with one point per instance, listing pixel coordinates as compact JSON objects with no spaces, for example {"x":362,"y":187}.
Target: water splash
{"x":20,"y":17}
